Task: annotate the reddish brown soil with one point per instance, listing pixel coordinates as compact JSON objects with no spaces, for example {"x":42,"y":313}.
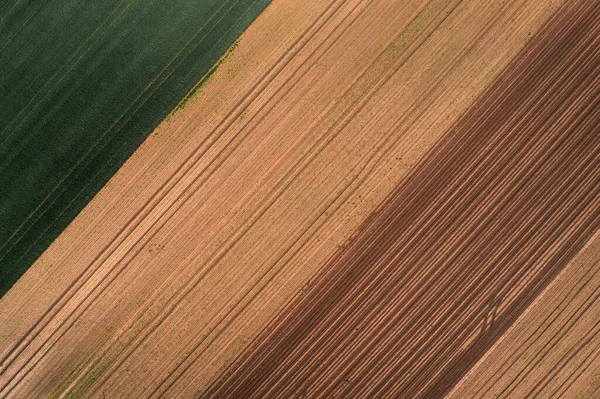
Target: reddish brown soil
{"x":460,"y":250}
{"x":553,"y":350}
{"x":238,"y":199}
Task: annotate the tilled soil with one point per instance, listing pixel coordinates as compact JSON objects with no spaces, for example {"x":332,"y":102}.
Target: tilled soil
{"x":460,"y":249}
{"x":240,"y":197}
{"x":553,"y":350}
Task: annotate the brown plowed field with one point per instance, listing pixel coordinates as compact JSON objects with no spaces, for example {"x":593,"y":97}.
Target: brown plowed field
{"x":458,"y":252}
{"x":553,"y":350}
{"x":241,"y":197}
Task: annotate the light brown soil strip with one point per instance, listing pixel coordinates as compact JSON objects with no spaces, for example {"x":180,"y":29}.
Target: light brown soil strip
{"x":225,"y":213}
{"x":460,"y":249}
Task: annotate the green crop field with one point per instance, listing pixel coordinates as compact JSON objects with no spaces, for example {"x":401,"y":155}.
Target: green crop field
{"x":82,"y":84}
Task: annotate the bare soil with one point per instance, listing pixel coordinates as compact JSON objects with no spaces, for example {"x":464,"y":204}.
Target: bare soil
{"x":460,"y":249}
{"x":553,"y":350}
{"x":226,"y":212}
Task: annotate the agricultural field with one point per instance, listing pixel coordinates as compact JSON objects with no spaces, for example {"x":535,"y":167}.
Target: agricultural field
{"x":82,"y":85}
{"x":361,"y":199}
{"x":460,"y":249}
{"x":552,"y":349}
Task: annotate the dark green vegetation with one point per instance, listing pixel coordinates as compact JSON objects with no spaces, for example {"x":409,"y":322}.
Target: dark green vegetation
{"x":82,"y":84}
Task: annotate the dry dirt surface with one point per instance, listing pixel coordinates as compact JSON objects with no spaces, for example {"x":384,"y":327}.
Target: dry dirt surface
{"x":553,"y":350}
{"x":238,"y":199}
{"x":459,"y":251}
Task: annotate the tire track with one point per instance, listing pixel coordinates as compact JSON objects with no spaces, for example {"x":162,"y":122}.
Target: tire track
{"x":97,"y":361}
{"x":196,"y":156}
{"x":155,"y":199}
{"x":345,"y":336}
{"x":389,"y":136}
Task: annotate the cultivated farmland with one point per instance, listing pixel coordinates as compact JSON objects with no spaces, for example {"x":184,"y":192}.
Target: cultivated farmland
{"x":367,"y":198}
{"x":460,"y":249}
{"x":552,"y":350}
{"x":82,"y":84}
